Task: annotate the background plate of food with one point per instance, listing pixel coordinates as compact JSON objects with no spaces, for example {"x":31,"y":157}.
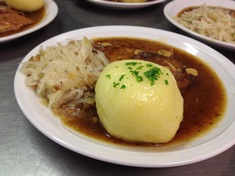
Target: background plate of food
{"x":212,"y":21}
{"x":63,"y":83}
{"x":126,"y":4}
{"x":19,"y":19}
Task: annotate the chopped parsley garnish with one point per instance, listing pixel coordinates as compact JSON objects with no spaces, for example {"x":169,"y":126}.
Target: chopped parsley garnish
{"x":108,"y":76}
{"x":121,"y":77}
{"x":136,"y":74}
{"x":131,"y":63}
{"x":123,"y":87}
{"x":149,"y":65}
{"x":153,"y":74}
{"x":140,"y":67}
{"x":115,"y":84}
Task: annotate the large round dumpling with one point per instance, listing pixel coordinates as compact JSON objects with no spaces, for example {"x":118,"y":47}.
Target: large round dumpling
{"x":25,"y":5}
{"x":139,"y":101}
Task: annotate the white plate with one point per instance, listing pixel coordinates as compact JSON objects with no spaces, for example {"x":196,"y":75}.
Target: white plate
{"x":214,"y":142}
{"x":122,"y":5}
{"x":173,"y":8}
{"x":50,"y":14}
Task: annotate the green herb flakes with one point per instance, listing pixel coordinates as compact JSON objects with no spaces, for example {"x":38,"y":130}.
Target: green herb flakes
{"x":131,"y":63}
{"x":153,"y":74}
{"x":123,"y":87}
{"x":115,"y":84}
{"x":149,"y":65}
{"x":136,"y":74}
{"x":137,"y":69}
{"x":121,"y":77}
{"x":108,"y":76}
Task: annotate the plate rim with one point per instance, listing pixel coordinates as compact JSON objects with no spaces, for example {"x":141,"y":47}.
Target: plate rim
{"x":52,"y":11}
{"x":111,"y":155}
{"x":119,"y":5}
{"x":187,"y":3}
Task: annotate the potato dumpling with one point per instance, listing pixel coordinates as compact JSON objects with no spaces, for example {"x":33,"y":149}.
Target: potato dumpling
{"x":139,"y":101}
{"x":25,"y":5}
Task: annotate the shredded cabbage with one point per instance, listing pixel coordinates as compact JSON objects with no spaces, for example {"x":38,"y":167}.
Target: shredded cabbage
{"x":214,"y":22}
{"x":65,"y":73}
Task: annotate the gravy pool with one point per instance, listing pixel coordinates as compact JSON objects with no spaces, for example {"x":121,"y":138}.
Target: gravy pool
{"x":204,"y":100}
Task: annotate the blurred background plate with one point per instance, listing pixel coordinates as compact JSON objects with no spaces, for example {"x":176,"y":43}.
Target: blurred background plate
{"x":174,"y":7}
{"x":125,"y":5}
{"x":50,"y":14}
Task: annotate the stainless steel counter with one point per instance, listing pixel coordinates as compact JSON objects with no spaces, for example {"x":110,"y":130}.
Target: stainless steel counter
{"x":24,"y":151}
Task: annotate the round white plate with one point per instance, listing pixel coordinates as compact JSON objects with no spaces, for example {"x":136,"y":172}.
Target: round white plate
{"x":174,"y":7}
{"x":50,"y":14}
{"x":122,"y":5}
{"x":214,"y":142}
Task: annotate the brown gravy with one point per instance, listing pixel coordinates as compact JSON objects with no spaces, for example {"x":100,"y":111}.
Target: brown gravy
{"x":36,"y":16}
{"x":204,"y":101}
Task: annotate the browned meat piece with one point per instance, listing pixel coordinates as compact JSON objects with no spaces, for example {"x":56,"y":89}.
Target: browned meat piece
{"x":12,"y":20}
{"x":165,"y":58}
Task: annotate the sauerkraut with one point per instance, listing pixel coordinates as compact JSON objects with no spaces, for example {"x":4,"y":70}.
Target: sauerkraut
{"x":214,"y":22}
{"x":65,"y":73}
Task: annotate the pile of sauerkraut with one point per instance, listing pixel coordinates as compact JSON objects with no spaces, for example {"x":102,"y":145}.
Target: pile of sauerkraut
{"x":214,"y":22}
{"x":65,"y":73}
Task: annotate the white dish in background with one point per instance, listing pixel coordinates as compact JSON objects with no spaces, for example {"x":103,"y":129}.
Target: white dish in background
{"x":212,"y":143}
{"x":124,"y":5}
{"x":174,"y":7}
{"x":50,"y":14}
